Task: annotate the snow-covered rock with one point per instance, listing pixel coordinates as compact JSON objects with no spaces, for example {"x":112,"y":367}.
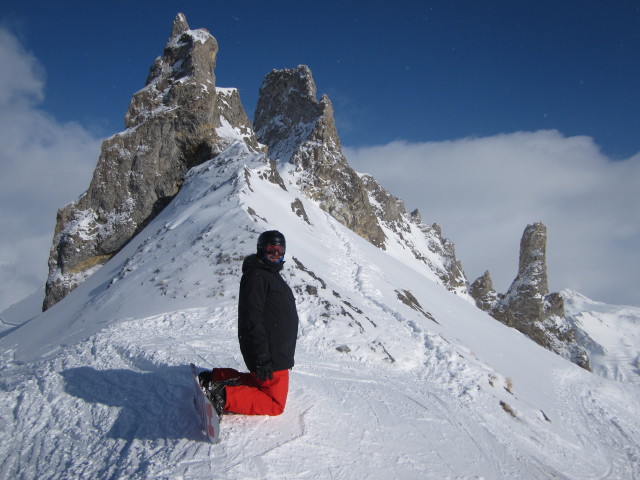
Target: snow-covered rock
{"x":529,"y":307}
{"x":178,"y":120}
{"x":300,"y":130}
{"x":483,"y":292}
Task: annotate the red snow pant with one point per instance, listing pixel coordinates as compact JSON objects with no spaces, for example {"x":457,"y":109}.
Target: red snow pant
{"x":252,"y":396}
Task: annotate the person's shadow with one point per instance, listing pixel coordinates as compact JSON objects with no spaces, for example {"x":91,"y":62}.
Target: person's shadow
{"x":154,"y":405}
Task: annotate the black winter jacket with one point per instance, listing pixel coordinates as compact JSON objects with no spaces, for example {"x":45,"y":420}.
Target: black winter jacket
{"x":267,"y":316}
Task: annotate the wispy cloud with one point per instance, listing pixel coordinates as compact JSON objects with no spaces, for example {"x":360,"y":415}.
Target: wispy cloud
{"x":484,"y":191}
{"x":44,"y":164}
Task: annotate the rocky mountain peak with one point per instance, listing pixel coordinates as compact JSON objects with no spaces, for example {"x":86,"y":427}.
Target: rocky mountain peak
{"x":530,"y":285}
{"x":179,"y":26}
{"x":177,"y":121}
{"x":299,"y":129}
{"x":529,"y":307}
{"x":185,"y":67}
{"x":532,"y":264}
{"x":288,"y":113}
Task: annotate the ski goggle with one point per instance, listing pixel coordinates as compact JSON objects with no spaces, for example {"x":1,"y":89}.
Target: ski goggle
{"x":274,"y":250}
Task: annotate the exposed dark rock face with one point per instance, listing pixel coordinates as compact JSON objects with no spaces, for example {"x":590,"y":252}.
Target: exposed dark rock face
{"x":178,"y":120}
{"x":299,"y":129}
{"x":524,"y":303}
{"x":483,"y":293}
{"x":530,"y":308}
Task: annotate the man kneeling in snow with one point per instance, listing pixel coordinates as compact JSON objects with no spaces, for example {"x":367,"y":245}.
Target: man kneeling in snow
{"x":267,"y":331}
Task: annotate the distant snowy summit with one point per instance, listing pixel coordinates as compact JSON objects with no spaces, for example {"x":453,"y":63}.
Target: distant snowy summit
{"x":180,"y":119}
{"x":610,"y":334}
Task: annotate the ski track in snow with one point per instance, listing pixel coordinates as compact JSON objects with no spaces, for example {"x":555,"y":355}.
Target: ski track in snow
{"x":601,"y":410}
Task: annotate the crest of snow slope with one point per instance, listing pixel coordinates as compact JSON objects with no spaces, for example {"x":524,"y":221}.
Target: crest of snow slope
{"x":395,"y":377}
{"x":611,"y":334}
{"x":415,"y":240}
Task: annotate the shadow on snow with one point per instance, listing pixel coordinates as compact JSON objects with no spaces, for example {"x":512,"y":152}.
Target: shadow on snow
{"x":153,"y":405}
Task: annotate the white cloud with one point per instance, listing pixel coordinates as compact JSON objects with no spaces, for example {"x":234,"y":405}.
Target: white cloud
{"x":484,"y":191}
{"x":44,"y":164}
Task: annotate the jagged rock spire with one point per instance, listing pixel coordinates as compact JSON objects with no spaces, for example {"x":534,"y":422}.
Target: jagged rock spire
{"x":288,"y":112}
{"x":524,"y":301}
{"x":179,"y":26}
{"x":532,"y":264}
{"x":530,"y":308}
{"x":178,"y":120}
{"x":299,"y":129}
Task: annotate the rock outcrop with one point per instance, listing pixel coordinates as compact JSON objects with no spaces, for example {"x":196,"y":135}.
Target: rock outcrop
{"x":407,"y":229}
{"x":483,"y":292}
{"x":178,"y":120}
{"x":301,"y":130}
{"x":528,"y":306}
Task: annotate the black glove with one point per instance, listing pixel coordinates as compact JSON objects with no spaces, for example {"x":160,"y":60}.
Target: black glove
{"x":264,"y":372}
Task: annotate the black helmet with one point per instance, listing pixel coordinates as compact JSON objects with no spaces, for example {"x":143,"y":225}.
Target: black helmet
{"x":271,"y":237}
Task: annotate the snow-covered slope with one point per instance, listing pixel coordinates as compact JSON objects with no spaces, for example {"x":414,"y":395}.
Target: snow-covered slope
{"x":610,"y":333}
{"x":395,"y":376}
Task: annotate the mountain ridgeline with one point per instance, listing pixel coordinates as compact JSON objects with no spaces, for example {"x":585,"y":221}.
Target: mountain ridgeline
{"x":181,"y":119}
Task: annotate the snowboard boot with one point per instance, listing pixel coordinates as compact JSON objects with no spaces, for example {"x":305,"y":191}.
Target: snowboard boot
{"x":217,"y":395}
{"x":215,"y":391}
{"x":205,"y":378}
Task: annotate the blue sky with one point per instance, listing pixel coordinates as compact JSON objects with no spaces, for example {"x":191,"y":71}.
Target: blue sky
{"x":504,"y":112}
{"x":416,"y":71}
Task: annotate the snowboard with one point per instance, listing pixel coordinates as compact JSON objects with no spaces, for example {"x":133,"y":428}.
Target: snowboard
{"x":208,"y":415}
